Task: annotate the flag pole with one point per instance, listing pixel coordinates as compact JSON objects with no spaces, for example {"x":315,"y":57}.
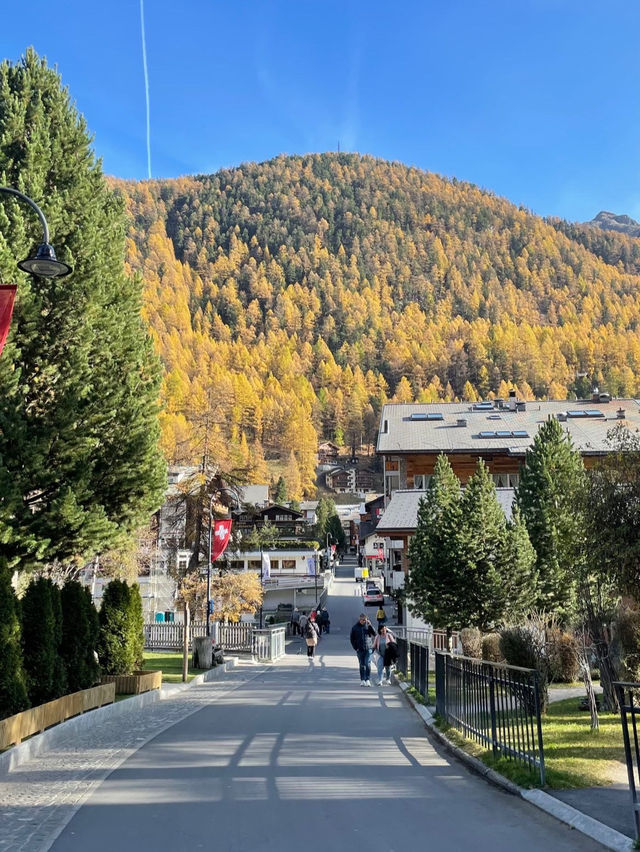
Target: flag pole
{"x":261,"y":586}
{"x":209,"y":566}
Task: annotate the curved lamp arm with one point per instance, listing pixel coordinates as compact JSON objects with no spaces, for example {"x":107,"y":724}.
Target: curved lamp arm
{"x":31,"y":203}
{"x":44,"y":263}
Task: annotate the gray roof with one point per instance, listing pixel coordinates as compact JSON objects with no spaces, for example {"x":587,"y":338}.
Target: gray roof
{"x":253,"y":494}
{"x":401,"y":515}
{"x":405,"y":434}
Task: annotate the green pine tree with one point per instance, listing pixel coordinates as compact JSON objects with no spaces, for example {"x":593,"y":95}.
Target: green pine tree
{"x":434,"y":587}
{"x":520,"y":580}
{"x":79,"y":462}
{"x":136,"y":626}
{"x":548,"y":496}
{"x":41,"y":641}
{"x":281,"y":491}
{"x":79,"y":636}
{"x":13,"y":689}
{"x":480,"y":547}
{"x":116,"y":653}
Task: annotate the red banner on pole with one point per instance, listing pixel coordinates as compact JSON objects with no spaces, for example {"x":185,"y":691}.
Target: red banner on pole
{"x":221,"y":535}
{"x":7,"y":298}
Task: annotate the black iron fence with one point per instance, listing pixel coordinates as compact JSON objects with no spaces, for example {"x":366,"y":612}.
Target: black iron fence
{"x":629,"y":701}
{"x":413,"y":662}
{"x":495,"y":704}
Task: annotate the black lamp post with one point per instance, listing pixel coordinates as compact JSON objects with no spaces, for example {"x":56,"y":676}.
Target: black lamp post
{"x":44,"y":263}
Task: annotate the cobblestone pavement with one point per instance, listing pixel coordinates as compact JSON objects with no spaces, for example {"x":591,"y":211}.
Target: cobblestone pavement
{"x":38,"y":798}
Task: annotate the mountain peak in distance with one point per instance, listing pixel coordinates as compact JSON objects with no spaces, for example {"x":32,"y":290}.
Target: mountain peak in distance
{"x":607,"y":221}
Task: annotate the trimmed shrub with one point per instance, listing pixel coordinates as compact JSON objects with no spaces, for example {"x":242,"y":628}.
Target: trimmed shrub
{"x":79,"y":636}
{"x":471,"y":640}
{"x":525,"y":646}
{"x":563,"y":656}
{"x":491,"y":648}
{"x":13,"y":686}
{"x":41,"y":634}
{"x":121,"y":645}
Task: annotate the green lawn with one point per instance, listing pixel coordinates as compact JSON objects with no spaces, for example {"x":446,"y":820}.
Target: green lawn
{"x":575,"y":756}
{"x":170,"y":663}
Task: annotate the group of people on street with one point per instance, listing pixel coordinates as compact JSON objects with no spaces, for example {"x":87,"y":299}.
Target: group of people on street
{"x":365,"y":642}
{"x":310,"y":626}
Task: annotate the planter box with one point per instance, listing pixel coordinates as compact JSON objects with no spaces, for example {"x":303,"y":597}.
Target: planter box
{"x":135,"y":683}
{"x":15,"y":728}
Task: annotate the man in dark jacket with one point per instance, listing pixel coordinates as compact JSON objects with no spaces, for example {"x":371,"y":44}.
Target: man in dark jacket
{"x":362,"y":635}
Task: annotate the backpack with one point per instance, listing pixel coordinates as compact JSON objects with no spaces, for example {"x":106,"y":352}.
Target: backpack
{"x":309,"y":632}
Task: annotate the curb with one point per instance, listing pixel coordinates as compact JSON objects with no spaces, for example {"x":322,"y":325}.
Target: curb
{"x":46,"y":740}
{"x":598,"y":831}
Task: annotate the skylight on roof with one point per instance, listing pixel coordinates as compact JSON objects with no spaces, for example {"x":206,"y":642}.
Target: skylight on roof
{"x":423,"y":415}
{"x":487,"y":435}
{"x":482,"y":406}
{"x":419,"y":416}
{"x":593,"y":412}
{"x":435,"y":416}
{"x":520,"y":433}
{"x":579,"y":413}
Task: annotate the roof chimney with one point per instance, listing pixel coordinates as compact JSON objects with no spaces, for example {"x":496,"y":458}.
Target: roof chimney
{"x":620,"y":414}
{"x":461,"y":421}
{"x":512,"y":400}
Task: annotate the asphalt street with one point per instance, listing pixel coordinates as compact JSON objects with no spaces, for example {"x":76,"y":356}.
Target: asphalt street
{"x":302,"y":756}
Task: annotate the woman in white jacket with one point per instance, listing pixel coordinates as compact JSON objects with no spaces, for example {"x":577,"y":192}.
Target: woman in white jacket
{"x":381,"y":644}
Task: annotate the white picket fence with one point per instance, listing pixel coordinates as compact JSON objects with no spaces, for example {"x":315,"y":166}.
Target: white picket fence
{"x":264,"y":645}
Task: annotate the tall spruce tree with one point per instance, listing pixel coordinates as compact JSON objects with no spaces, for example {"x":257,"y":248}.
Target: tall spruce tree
{"x":79,"y":636}
{"x":548,"y":496}
{"x":79,"y":462}
{"x":13,"y":688}
{"x":480,"y":550}
{"x":41,"y":636}
{"x":520,"y":579}
{"x":434,"y":586}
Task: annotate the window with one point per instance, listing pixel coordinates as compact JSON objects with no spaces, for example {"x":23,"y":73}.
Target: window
{"x":421,"y":480}
{"x":392,"y":483}
{"x":289,"y":565}
{"x":254,"y":565}
{"x":500,"y":480}
{"x":514,"y":480}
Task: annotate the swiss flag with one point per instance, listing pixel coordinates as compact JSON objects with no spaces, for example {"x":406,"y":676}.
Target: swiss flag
{"x":221,"y":534}
{"x":7,"y":297}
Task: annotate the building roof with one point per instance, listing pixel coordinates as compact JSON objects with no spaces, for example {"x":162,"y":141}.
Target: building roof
{"x":254,"y":494}
{"x":433,"y":427}
{"x":401,"y":515}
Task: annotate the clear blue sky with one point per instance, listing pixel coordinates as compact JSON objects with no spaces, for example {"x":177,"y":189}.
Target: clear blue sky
{"x":537,"y":100}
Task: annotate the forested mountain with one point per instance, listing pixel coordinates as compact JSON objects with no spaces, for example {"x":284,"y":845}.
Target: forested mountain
{"x":290,"y":299}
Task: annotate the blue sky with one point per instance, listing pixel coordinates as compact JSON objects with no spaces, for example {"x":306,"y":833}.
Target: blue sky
{"x":537,"y":100}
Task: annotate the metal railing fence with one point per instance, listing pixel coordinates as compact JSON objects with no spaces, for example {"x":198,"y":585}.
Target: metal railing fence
{"x":232,"y":637}
{"x":495,"y":704}
{"x":629,"y":700}
{"x":435,"y":640}
{"x":268,"y":644}
{"x":413,"y":662}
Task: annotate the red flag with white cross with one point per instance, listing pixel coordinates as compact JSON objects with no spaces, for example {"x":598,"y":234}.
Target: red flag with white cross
{"x":221,"y":535}
{"x":7,"y":298}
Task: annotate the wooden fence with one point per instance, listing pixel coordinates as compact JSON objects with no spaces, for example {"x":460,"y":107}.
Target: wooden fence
{"x":135,"y":683}
{"x":15,"y":728}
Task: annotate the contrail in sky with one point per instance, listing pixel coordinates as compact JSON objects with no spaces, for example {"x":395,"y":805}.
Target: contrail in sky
{"x":146,"y":87}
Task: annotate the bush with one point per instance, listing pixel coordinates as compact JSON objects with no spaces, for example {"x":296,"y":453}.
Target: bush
{"x":118,"y":647}
{"x":525,"y":646}
{"x":627,"y":642}
{"x":79,"y":636}
{"x":471,"y":640}
{"x":491,"y":648}
{"x":41,"y":638}
{"x":13,"y":687}
{"x":562,"y":654}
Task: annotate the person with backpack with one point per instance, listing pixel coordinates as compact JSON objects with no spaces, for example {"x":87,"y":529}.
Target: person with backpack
{"x":361,"y":638}
{"x":385,"y":645}
{"x":326,"y":623}
{"x":311,"y":637}
{"x":381,"y":617}
{"x":302,"y":623}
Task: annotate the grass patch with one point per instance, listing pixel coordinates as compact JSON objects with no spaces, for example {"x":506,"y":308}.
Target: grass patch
{"x":575,"y":756}
{"x":170,"y":663}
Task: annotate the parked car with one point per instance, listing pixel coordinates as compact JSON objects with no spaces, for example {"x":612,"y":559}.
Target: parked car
{"x":373,"y":595}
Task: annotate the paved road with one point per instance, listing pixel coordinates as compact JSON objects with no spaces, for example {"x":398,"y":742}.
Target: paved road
{"x":293,"y":755}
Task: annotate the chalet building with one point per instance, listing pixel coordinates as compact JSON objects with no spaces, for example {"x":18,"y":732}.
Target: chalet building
{"x":341,"y":480}
{"x":328,"y":453}
{"x":412,"y":436}
{"x":288,"y":521}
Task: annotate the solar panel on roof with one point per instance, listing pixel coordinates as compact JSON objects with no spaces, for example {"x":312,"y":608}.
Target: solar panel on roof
{"x":593,"y":412}
{"x":503,"y":434}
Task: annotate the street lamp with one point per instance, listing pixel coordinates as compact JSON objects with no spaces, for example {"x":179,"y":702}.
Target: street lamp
{"x":44,"y":263}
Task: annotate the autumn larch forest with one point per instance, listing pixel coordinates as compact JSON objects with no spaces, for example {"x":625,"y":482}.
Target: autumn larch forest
{"x":290,"y":299}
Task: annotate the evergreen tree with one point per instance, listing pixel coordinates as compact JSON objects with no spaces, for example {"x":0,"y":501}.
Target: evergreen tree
{"x":79,"y":462}
{"x":281,"y":491}
{"x":116,"y":653}
{"x":136,"y":626}
{"x":549,"y":498}
{"x":13,"y":689}
{"x":480,"y":548}
{"x":79,"y":636}
{"x":434,"y":587}
{"x":41,"y":641}
{"x":520,"y":581}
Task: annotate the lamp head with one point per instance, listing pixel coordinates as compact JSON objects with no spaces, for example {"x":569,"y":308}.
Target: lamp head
{"x":44,"y":264}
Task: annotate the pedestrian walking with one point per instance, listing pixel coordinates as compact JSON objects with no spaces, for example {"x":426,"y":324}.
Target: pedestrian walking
{"x":361,"y":638}
{"x":303,"y":622}
{"x":381,"y":616}
{"x":295,"y":622}
{"x":326,"y":622}
{"x":385,"y":645}
{"x":311,"y":637}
